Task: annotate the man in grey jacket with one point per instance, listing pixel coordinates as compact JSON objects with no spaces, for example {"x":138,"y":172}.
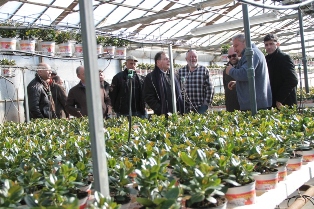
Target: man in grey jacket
{"x":239,"y":73}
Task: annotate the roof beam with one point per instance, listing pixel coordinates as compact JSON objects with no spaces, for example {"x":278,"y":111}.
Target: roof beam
{"x":65,"y":12}
{"x":223,"y":14}
{"x":41,"y":4}
{"x":141,"y":27}
{"x":163,"y":15}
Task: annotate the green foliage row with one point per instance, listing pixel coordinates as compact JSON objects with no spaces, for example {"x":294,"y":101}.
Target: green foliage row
{"x":45,"y":161}
{"x":219,"y":99}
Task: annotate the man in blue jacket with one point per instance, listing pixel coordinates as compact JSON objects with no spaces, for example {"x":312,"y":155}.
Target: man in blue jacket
{"x":239,"y":73}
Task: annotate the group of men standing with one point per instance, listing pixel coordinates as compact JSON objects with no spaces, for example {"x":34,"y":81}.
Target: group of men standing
{"x":275,"y":76}
{"x":275,"y":84}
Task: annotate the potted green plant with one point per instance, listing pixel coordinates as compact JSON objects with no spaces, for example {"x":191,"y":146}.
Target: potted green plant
{"x":63,"y":39}
{"x":100,"y":40}
{"x":28,"y":36}
{"x":156,"y":189}
{"x":8,"y":35}
{"x":78,"y":44}
{"x":48,"y":38}
{"x":121,"y":48}
{"x":110,"y":44}
{"x":6,"y":68}
{"x":224,"y":52}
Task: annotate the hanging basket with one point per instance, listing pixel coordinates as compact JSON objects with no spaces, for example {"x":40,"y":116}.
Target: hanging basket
{"x":48,"y":48}
{"x":65,"y":49}
{"x":27,"y":45}
{"x":109,"y":51}
{"x":78,"y":50}
{"x":8,"y":44}
{"x":6,"y":71}
{"x":99,"y":49}
{"x":120,"y":52}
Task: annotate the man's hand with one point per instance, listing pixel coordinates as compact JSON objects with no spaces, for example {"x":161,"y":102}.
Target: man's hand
{"x":231,"y":85}
{"x":228,"y":68}
{"x":278,"y":104}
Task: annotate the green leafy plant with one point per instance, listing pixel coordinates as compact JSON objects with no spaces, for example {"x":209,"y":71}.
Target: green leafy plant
{"x":11,"y":31}
{"x":10,"y":194}
{"x":103,"y":202}
{"x":122,"y":42}
{"x":6,"y":61}
{"x":225,"y":48}
{"x":100,"y":39}
{"x":28,"y":33}
{"x":64,"y":36}
{"x":48,"y":34}
{"x":78,"y":37}
{"x":110,"y":41}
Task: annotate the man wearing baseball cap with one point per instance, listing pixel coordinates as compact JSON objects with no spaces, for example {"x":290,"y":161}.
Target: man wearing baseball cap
{"x":119,"y":91}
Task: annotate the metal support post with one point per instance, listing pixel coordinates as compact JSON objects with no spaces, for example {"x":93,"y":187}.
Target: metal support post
{"x":304,"y":61}
{"x":249,"y":56}
{"x":96,"y":123}
{"x":173,"y":88}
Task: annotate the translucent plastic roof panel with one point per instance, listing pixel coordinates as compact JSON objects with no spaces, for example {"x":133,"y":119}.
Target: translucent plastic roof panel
{"x":49,"y":16}
{"x":62,"y":3}
{"x":118,"y":14}
{"x":24,"y":15}
{"x":72,"y":19}
{"x":8,"y":9}
{"x":134,"y":14}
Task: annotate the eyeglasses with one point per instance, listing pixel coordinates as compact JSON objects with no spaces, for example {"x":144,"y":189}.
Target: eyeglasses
{"x":234,"y":55}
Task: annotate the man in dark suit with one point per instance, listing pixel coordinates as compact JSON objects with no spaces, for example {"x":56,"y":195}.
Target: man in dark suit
{"x":282,"y":75}
{"x":157,"y":88}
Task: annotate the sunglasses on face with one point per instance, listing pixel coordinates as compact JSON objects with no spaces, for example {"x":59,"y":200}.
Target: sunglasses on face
{"x":229,"y":56}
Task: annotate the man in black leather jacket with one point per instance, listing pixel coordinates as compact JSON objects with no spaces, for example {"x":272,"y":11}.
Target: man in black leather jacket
{"x":40,"y":101}
{"x":119,"y":91}
{"x":282,"y":75}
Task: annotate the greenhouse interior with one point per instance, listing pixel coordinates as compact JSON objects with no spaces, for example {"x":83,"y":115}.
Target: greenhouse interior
{"x":204,"y":104}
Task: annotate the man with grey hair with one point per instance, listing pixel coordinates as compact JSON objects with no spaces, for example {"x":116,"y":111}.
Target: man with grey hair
{"x":239,"y":73}
{"x":196,"y":84}
{"x":76,"y":103}
{"x":40,"y":101}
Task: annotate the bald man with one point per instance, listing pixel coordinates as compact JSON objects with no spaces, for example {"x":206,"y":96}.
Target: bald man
{"x":76,"y":103}
{"x":40,"y":101}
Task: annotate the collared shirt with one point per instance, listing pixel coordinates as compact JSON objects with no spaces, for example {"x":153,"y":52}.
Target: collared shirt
{"x":197,"y":88}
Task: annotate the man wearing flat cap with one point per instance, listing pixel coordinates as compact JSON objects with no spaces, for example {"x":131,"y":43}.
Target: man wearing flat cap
{"x":119,"y":91}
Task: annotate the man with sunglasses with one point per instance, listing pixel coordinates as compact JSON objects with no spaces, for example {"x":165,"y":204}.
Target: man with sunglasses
{"x":282,"y":75}
{"x":231,"y":99}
